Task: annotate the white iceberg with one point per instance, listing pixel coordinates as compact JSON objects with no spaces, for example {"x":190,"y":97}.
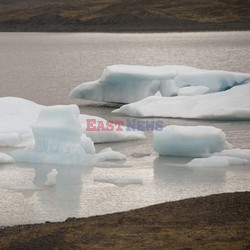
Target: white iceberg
{"x":57,"y":135}
{"x":108,"y":154}
{"x":131,"y":83}
{"x":121,"y":182}
{"x":108,"y":136}
{"x":231,"y":104}
{"x":51,"y":178}
{"x":190,"y":141}
{"x":58,"y":140}
{"x":217,"y":161}
{"x":4,"y":158}
{"x":236,"y":152}
{"x":17,"y":116}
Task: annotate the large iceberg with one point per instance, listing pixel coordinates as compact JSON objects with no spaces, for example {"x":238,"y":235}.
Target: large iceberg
{"x":100,"y":136}
{"x":17,"y":116}
{"x":128,"y":83}
{"x":231,"y":104}
{"x":58,"y":140}
{"x":189,"y":141}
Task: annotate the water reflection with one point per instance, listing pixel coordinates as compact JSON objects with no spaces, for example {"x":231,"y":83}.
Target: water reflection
{"x":172,"y":170}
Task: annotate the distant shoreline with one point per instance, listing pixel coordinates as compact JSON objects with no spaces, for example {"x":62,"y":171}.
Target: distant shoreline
{"x":217,"y":221}
{"x":113,"y":29}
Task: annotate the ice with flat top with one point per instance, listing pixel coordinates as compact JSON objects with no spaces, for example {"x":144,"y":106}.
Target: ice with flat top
{"x":131,"y":83}
{"x":189,"y":141}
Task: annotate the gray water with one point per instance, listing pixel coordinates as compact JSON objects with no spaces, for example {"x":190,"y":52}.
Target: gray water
{"x":44,"y":67}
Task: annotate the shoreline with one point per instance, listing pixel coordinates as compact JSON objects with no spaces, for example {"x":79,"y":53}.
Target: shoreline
{"x":216,"y":221}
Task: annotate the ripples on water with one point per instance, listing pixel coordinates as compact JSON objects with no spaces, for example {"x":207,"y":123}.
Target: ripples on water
{"x":44,"y":67}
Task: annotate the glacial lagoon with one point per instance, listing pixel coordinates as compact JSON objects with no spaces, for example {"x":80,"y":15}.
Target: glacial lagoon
{"x":44,"y":67}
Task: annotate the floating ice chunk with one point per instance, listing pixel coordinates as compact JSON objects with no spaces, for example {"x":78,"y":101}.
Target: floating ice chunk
{"x":87,"y":144}
{"x":128,"y":83}
{"x":122,"y":182}
{"x":239,"y":153}
{"x":108,"y":154}
{"x":108,"y":136}
{"x":57,"y":135}
{"x":193,"y":90}
{"x":16,"y":117}
{"x":231,"y":104}
{"x":139,"y":155}
{"x":110,"y":165}
{"x":191,"y":141}
{"x":26,"y":186}
{"x":51,"y":178}
{"x":217,"y":161}
{"x":4,"y":158}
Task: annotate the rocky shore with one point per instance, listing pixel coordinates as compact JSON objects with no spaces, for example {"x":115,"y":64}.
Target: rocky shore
{"x":220,"y":221}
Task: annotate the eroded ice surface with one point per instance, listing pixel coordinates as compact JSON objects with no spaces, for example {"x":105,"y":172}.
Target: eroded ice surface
{"x":130,"y":83}
{"x":17,"y":116}
{"x":190,"y":141}
{"x":231,"y":104}
{"x":58,"y":140}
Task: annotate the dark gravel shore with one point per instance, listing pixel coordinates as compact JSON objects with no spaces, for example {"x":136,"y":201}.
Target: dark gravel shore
{"x":214,"y":222}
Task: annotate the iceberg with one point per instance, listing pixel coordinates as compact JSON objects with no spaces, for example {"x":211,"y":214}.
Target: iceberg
{"x":58,"y":139}
{"x":236,"y":152}
{"x":121,"y":182}
{"x":218,"y":161}
{"x":232,"y":104}
{"x":4,"y":158}
{"x":189,"y":141}
{"x":17,"y":116}
{"x":108,"y":136}
{"x":131,"y":83}
{"x":51,"y":178}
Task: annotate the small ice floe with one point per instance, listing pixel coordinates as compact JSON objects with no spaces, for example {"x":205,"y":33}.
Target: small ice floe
{"x":236,"y":152}
{"x":190,"y":141}
{"x":121,"y":182}
{"x":110,"y":165}
{"x":51,"y":178}
{"x":26,"y":186}
{"x":139,"y":155}
{"x":217,"y":161}
{"x":5,"y":158}
{"x":108,"y":154}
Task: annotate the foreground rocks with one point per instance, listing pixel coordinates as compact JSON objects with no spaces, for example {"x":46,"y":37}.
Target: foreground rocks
{"x":214,"y":222}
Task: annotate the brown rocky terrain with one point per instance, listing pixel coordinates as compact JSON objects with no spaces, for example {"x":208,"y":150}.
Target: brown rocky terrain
{"x":124,"y":15}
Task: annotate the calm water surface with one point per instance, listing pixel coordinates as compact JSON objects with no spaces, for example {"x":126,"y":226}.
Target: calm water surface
{"x":44,"y":67}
